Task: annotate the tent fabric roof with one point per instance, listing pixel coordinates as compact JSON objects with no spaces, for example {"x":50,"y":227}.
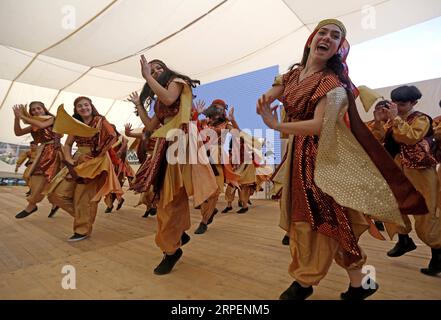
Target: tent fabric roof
{"x":44,"y":58}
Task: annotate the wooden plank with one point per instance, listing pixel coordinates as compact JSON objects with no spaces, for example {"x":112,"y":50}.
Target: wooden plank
{"x":240,"y":257}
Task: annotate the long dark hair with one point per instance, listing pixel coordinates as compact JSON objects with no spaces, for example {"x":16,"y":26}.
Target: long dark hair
{"x":41,"y":104}
{"x":76,"y":115}
{"x":147,"y":93}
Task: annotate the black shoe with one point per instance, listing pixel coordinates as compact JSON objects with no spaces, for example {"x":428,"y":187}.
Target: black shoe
{"x":147,"y":213}
{"x":168,"y":262}
{"x":404,"y":244}
{"x":108,"y":210}
{"x":227,"y":209}
{"x":239,"y":204}
{"x":215,"y":211}
{"x":185,"y":238}
{"x":153,"y":211}
{"x":296,"y":292}
{"x":77,"y":237}
{"x":201,"y":229}
{"x":379,"y":225}
{"x":285,"y":241}
{"x":242,"y":210}
{"x":434,"y":267}
{"x":23,"y":214}
{"x":120,"y":204}
{"x":53,"y":211}
{"x":359,"y":293}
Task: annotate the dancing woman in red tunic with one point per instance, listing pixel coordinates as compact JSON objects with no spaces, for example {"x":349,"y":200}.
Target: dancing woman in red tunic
{"x":325,"y":219}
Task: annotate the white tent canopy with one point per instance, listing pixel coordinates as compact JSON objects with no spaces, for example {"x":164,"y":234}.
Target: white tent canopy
{"x":54,"y":50}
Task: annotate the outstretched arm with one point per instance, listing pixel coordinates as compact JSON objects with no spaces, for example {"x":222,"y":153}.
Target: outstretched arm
{"x":150,"y":123}
{"x":303,"y":128}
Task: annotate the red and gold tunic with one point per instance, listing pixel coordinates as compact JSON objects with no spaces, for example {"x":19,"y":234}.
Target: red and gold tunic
{"x":98,"y":142}
{"x":48,"y":161}
{"x":150,"y":173}
{"x":309,"y":203}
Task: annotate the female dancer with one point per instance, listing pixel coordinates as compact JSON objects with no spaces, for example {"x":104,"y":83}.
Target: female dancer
{"x":47,"y":159}
{"x":144,"y":146}
{"x":89,"y":174}
{"x":328,"y":170}
{"x":173,"y":182}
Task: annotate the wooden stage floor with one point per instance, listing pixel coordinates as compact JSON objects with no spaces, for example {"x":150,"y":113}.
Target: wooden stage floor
{"x":240,"y":257}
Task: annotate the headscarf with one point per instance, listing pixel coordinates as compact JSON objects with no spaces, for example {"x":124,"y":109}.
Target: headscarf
{"x":219,"y":102}
{"x":343,"y":49}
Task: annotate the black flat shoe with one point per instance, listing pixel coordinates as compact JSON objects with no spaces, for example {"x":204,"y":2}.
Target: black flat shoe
{"x":405,"y":244}
{"x":296,"y":292}
{"x":201,"y":229}
{"x":434,"y":267}
{"x":242,"y":210}
{"x":108,"y":210}
{"x":23,"y":214}
{"x":285,"y":241}
{"x":215,"y":211}
{"x":227,"y":209}
{"x":77,"y":237}
{"x":120,"y":204}
{"x":53,"y":211}
{"x":153,"y":211}
{"x":185,"y":238}
{"x":168,"y":262}
{"x":359,"y":293}
{"x":147,"y":213}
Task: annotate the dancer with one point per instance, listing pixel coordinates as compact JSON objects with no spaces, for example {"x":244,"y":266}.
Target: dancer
{"x":174,"y":183}
{"x":219,"y":124}
{"x":47,"y":159}
{"x":89,"y":174}
{"x":144,"y":146}
{"x":123,"y":170}
{"x":325,"y":190}
{"x":408,"y":141}
{"x":29,"y":157}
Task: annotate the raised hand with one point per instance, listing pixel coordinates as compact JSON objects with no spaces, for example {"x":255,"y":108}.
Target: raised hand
{"x":231,"y":114}
{"x":146,"y":68}
{"x":23,"y":110}
{"x":199,"y":106}
{"x":128,"y":129}
{"x":268,"y":113}
{"x":392,"y":112}
{"x":17,"y":111}
{"x":134,"y":98}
